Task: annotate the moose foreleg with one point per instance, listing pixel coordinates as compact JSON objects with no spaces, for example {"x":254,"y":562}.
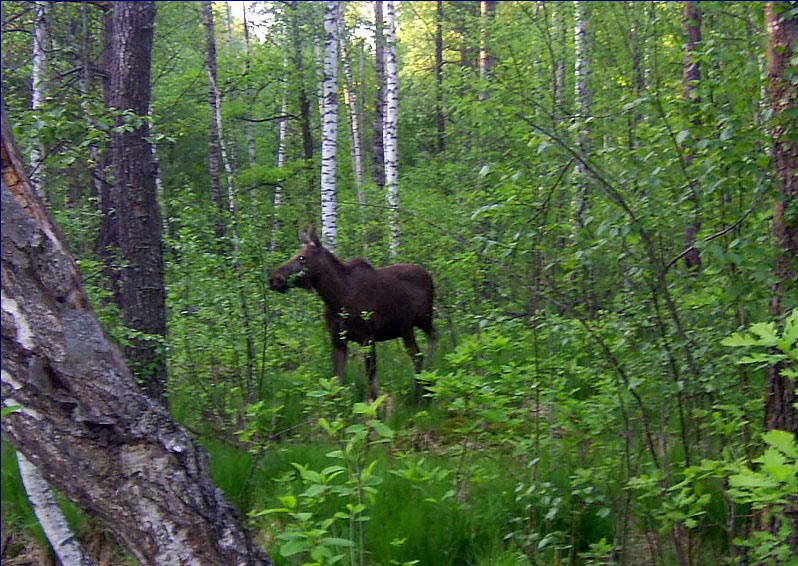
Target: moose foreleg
{"x":371,"y":372}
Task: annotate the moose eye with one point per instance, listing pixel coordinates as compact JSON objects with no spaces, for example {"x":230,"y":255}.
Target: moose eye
{"x":301,"y":258}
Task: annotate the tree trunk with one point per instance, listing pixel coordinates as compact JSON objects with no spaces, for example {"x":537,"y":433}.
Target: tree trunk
{"x":214,"y":145}
{"x":132,"y":220}
{"x":52,"y":520}
{"x":584,"y":107}
{"x":250,"y":127}
{"x":329,"y":126}
{"x":83,"y":421}
{"x":232,"y":197}
{"x":782,"y":37}
{"x":38,"y":81}
{"x":351,"y":101}
{"x":486,"y":57}
{"x":692,"y":77}
{"x":379,"y":104}
{"x":391,"y":128}
{"x":782,"y":28}
{"x":561,"y":64}
{"x":278,"y":189}
{"x":440,"y":117}
{"x":304,"y":101}
{"x":85,"y":87}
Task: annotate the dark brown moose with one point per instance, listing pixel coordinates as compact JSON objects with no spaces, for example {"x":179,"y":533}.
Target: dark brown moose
{"x":363,"y":304}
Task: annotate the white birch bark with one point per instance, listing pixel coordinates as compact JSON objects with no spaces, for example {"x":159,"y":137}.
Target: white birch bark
{"x":217,"y":117}
{"x":281,"y":138}
{"x":329,"y":126}
{"x":351,"y":101}
{"x":390,"y":129}
{"x":52,"y":520}
{"x":584,"y":105}
{"x":38,"y":79}
{"x":250,"y":127}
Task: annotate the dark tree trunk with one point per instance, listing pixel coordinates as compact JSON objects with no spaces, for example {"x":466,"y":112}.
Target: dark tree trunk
{"x":379,"y":105}
{"x":782,"y":38}
{"x":83,"y":422}
{"x":131,"y":228}
{"x":782,"y":27}
{"x":692,"y":77}
{"x":304,"y":101}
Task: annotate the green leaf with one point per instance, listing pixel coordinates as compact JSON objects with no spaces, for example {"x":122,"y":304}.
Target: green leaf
{"x":783,"y":441}
{"x":382,"y":429}
{"x":293,"y":547}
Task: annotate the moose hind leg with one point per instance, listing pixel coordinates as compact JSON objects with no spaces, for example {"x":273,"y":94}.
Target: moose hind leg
{"x":418,"y":362}
{"x":371,"y":372}
{"x":339,"y":359}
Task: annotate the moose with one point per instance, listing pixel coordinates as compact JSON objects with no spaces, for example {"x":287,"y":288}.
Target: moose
{"x":363,"y":304}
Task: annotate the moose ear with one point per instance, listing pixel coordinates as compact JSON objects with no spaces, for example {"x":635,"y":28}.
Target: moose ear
{"x":303,"y":237}
{"x":314,"y":237}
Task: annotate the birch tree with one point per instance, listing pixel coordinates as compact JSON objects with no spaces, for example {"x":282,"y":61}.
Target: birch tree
{"x":214,"y":146}
{"x":440,"y":118}
{"x":486,"y":57}
{"x":329,"y":126}
{"x":232,"y":198}
{"x":391,"y":127}
{"x":250,"y":126}
{"x":351,"y":101}
{"x":38,"y":81}
{"x":584,"y":105}
{"x":379,"y":99}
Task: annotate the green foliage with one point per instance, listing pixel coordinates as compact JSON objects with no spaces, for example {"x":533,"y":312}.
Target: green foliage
{"x":588,"y":392}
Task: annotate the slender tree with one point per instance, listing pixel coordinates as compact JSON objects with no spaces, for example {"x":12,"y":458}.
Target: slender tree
{"x":379,"y":99}
{"x":329,"y":127}
{"x":131,"y":229}
{"x":351,"y":100}
{"x":214,"y":145}
{"x":486,"y":57}
{"x":692,"y":78}
{"x":584,"y":106}
{"x":232,"y":197}
{"x":304,"y":100}
{"x":52,"y":520}
{"x":38,"y":82}
{"x":390,"y":131}
{"x":440,"y":117}
{"x":250,"y":126}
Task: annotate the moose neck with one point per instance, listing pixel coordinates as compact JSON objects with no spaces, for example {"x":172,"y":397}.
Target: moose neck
{"x":330,"y":283}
